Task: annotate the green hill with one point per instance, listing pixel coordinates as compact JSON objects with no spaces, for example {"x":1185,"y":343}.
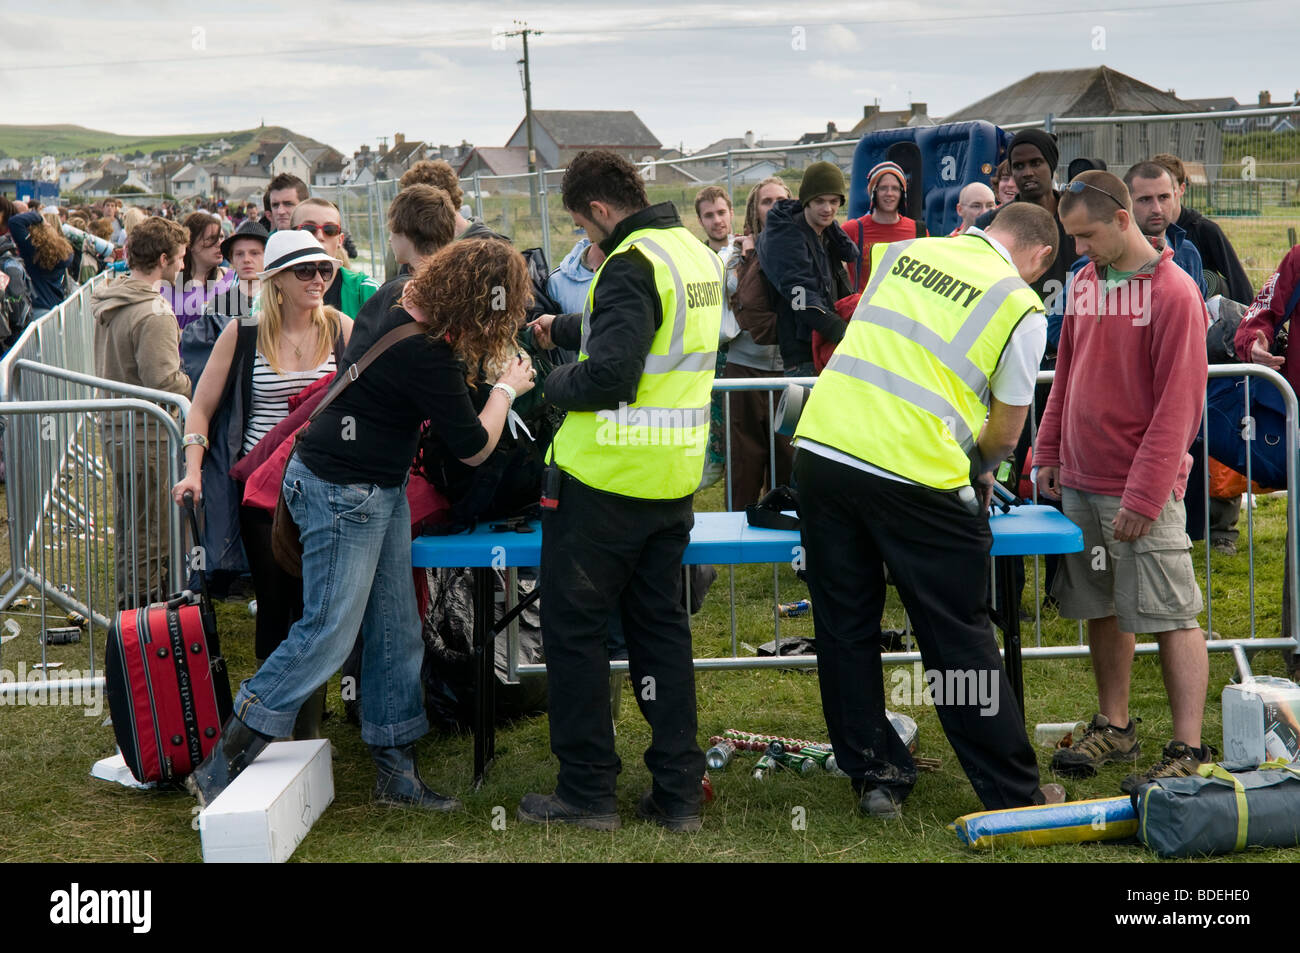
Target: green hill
{"x":67,"y":140}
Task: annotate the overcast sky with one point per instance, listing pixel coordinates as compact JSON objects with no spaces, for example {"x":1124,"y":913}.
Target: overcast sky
{"x":347,"y":73}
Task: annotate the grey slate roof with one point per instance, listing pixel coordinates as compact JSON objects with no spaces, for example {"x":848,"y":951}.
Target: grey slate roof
{"x":1098,"y":91}
{"x":594,"y":127}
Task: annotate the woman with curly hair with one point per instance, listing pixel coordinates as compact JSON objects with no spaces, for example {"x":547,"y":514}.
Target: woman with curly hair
{"x":245,"y":389}
{"x":46,"y":253}
{"x":345,"y":488}
{"x":202,"y":278}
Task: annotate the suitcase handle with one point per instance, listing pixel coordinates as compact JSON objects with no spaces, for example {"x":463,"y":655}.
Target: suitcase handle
{"x":187,"y":502}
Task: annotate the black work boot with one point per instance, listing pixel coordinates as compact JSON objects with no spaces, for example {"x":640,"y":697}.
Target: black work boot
{"x":235,"y":751}
{"x":306,"y":726}
{"x":550,"y":809}
{"x":398,"y":783}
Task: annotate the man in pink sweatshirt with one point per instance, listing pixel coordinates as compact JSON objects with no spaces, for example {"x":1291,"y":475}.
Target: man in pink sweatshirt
{"x":1125,"y":406}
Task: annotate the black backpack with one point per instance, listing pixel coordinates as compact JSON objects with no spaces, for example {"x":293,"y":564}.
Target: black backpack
{"x":16,"y":304}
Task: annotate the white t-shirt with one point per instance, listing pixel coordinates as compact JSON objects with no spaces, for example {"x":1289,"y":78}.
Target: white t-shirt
{"x":1012,"y":382}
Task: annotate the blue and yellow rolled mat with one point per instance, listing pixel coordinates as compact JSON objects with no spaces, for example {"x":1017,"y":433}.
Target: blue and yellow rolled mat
{"x":1074,"y":822}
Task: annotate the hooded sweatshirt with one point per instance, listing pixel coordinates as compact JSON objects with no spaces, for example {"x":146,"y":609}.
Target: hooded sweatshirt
{"x":137,"y":340}
{"x":568,"y":284}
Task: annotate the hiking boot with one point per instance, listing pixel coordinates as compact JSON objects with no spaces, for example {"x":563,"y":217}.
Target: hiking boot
{"x":880,"y":803}
{"x":549,"y":809}
{"x":648,"y":809}
{"x":876,"y":802}
{"x":1053,"y":793}
{"x":1102,"y":743}
{"x":1177,"y":761}
{"x":1224,"y":546}
{"x":398,"y":782}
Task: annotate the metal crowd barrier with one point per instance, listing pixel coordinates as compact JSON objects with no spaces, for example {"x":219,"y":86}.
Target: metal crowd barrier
{"x":1289,"y":641}
{"x":69,"y":440}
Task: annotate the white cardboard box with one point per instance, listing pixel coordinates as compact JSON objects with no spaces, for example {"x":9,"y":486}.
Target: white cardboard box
{"x":1261,"y":721}
{"x":267,"y":811}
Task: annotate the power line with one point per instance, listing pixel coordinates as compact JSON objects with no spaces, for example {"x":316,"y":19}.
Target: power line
{"x":423,"y":42}
{"x":894,"y":21}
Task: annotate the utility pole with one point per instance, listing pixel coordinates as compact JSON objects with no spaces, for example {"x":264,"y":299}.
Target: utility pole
{"x":524,"y":32}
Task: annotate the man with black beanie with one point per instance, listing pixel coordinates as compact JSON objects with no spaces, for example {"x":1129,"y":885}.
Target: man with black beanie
{"x":1033,"y":155}
{"x":800,"y":251}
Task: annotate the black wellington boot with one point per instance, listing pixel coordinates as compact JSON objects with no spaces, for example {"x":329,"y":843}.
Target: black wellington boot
{"x":398,"y":783}
{"x":307,"y":725}
{"x":235,"y":751}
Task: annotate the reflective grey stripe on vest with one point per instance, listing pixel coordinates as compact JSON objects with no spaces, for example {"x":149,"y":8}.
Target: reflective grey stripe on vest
{"x":953,"y":354}
{"x":676,"y":359}
{"x":660,"y":418}
{"x":907,"y":390}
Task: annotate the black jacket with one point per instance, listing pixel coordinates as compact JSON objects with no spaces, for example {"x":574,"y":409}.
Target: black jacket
{"x":803,"y":281}
{"x":1050,"y":286}
{"x":625,"y":315}
{"x":1216,"y":253}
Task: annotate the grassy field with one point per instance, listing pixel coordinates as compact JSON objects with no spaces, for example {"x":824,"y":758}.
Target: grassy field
{"x":50,"y":809}
{"x":68,"y":140}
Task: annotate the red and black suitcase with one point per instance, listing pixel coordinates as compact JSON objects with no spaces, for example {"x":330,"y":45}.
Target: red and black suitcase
{"x":167,"y":685}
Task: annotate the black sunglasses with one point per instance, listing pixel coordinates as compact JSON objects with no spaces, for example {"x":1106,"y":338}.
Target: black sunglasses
{"x":1077,"y":187}
{"x":307,"y":270}
{"x":329,"y":228}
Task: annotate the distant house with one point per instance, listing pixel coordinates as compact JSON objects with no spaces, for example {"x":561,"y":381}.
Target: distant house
{"x":745,"y":169}
{"x":192,"y":181}
{"x":110,"y":182}
{"x":1229,"y":104}
{"x":275,"y":158}
{"x":874,"y":119}
{"x":493,"y":160}
{"x":1101,"y":91}
{"x":560,"y":134}
{"x":401,"y":157}
{"x":236,"y":180}
{"x":326,"y":166}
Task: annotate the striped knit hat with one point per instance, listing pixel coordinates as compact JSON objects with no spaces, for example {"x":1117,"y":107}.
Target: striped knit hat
{"x":873,"y":179}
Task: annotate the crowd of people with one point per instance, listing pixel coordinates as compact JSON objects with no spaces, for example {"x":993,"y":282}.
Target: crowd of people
{"x":926,"y":349}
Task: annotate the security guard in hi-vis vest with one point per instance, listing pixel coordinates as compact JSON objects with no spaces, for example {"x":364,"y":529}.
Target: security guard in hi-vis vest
{"x":617,"y":502}
{"x":894,"y":469}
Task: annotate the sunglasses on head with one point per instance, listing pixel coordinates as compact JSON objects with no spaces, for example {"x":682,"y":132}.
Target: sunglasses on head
{"x":309,"y":269}
{"x":1077,"y":187}
{"x":329,"y":228}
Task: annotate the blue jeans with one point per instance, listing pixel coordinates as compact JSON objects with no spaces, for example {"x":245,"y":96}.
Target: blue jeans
{"x":356,"y":573}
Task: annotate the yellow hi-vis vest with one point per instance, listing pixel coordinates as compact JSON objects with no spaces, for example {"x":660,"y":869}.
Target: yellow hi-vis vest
{"x":907,"y":389}
{"x":653,"y":448}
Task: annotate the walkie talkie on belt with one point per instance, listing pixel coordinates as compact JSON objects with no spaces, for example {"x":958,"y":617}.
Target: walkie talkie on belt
{"x":552,"y":479}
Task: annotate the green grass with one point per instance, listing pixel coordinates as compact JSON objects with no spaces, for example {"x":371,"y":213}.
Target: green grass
{"x":69,"y":140}
{"x":50,"y":809}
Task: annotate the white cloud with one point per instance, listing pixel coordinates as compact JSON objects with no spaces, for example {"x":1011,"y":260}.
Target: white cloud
{"x":840,"y":39}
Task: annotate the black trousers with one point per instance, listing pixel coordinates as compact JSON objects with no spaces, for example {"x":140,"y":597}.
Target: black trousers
{"x":279,"y":594}
{"x":604,"y":554}
{"x":853,"y":525}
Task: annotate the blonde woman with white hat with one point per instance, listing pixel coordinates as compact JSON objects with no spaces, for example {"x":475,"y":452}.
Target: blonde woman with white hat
{"x":291,"y":342}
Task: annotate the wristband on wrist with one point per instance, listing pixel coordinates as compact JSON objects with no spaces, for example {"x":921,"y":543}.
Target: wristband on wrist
{"x":195,"y":440}
{"x":506,"y":389}
{"x":977,"y":465}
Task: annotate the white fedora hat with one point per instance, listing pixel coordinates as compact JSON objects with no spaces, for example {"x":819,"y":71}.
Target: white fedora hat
{"x":286,"y":248}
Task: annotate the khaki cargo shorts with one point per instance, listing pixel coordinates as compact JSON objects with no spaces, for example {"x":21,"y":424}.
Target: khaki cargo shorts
{"x":1148,"y":584}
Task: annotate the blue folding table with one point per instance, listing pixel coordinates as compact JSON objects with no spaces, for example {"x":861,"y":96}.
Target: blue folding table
{"x":719,"y":538}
